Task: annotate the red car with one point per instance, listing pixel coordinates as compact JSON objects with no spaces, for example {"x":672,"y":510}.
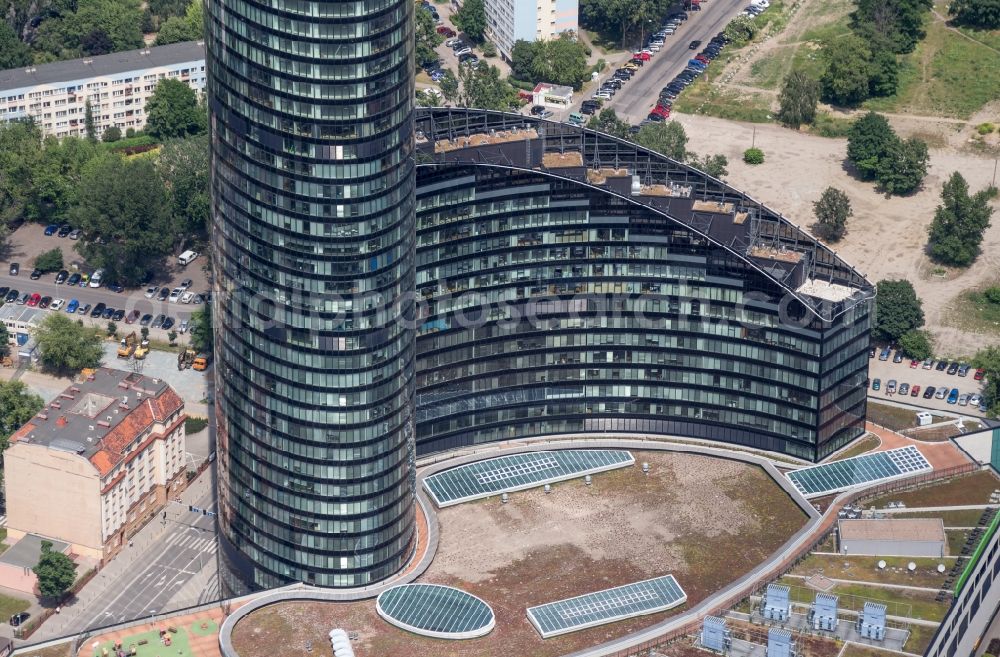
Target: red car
{"x":644,"y":56}
{"x":980,"y":373}
{"x":915,"y":391}
{"x":702,"y":58}
{"x":132,"y":316}
{"x":661,"y":111}
{"x":914,"y":364}
{"x":34,"y":299}
{"x":446,"y":31}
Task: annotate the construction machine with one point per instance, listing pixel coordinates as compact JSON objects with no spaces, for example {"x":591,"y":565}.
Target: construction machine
{"x":186,"y":358}
{"x":200,"y":362}
{"x":141,"y":350}
{"x":127,"y":346}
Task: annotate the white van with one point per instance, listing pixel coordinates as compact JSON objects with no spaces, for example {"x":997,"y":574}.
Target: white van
{"x":186,"y":258}
{"x":95,"y":278}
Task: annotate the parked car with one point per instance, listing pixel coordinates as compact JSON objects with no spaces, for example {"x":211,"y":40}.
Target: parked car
{"x":941,"y":366}
{"x":890,"y":387}
{"x":132,"y":316}
{"x":64,"y":230}
{"x":168,"y":323}
{"x":24,"y":299}
{"x":898,"y":357}
{"x":151,"y":291}
{"x":84,"y":310}
{"x":953,"y":368}
{"x":15,"y":268}
{"x":953,"y":396}
{"x":74,"y":279}
{"x":118,"y":315}
{"x":940,"y":393}
{"x":146,"y":319}
{"x":11,"y":295}
{"x":914,"y":391}
{"x":464,"y":51}
{"x":44,"y":302}
{"x":164,"y":293}
{"x":61,"y":276}
{"x":184,"y":326}
{"x":976,"y":399}
{"x":980,"y":373}
{"x":51,"y":229}
{"x":694,"y":45}
{"x":75,"y":234}
{"x":3,"y":293}
{"x":929,"y":392}
{"x":158,"y":322}
{"x":34,"y":299}
{"x":57,"y":304}
{"x":108,"y":313}
{"x":963,"y":369}
{"x":928,"y":364}
{"x":963,"y":400}
{"x":72,"y":306}
{"x":98,"y":310}
{"x":884,"y":354}
{"x":876,"y":384}
{"x":904,"y":389}
{"x":915,"y":363}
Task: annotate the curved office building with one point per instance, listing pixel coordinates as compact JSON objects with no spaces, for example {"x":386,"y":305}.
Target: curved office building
{"x":570,"y":282}
{"x":313,"y":205}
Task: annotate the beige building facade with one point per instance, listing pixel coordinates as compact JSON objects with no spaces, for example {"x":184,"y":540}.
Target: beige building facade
{"x":96,"y":463}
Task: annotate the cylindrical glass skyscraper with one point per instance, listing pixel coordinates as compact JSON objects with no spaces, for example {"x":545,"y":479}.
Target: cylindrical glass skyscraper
{"x":313,"y":205}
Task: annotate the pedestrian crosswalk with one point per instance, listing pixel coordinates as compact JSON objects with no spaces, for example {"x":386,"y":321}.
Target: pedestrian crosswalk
{"x":194,"y":542}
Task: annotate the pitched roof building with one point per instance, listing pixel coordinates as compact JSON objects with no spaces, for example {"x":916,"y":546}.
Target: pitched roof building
{"x":97,"y":462}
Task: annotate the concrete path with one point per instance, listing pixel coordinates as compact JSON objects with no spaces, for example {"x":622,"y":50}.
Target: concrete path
{"x":937,"y":509}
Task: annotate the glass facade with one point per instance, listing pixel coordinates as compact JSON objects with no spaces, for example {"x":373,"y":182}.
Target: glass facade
{"x":550,"y":305}
{"x":313,"y":204}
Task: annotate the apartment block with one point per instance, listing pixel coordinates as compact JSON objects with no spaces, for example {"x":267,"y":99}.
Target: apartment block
{"x":96,"y":463}
{"x":117,"y":86}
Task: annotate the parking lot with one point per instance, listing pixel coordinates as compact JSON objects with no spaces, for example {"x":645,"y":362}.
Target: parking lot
{"x":29,"y":241}
{"x":903,"y":373}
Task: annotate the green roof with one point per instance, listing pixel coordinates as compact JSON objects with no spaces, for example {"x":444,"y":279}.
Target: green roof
{"x":519,"y":472}
{"x":607,"y":606}
{"x":857,"y":471}
{"x":437,"y":611}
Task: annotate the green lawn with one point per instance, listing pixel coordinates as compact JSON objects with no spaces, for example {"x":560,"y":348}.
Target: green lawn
{"x":864,"y":444}
{"x":904,"y":603}
{"x":10,"y":606}
{"x":864,"y":569}
{"x":947,"y":75}
{"x":153,"y":647}
{"x":973,"y":312}
{"x":956,"y":540}
{"x":967,"y":518}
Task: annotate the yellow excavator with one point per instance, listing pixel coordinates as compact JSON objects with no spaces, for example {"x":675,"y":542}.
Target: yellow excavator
{"x":185,"y":359}
{"x":141,"y":350}
{"x":127,"y":346}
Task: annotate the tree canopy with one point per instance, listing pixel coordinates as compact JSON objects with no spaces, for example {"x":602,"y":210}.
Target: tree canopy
{"x":869,"y":137}
{"x":56,"y":572}
{"x":4,"y":341}
{"x":916,"y":344}
{"x":202,"y":337}
{"x":845,"y":78}
{"x":797,"y":100}
{"x":832,"y":212}
{"x":427,"y":38}
{"x":471,"y":19}
{"x":902,"y":166}
{"x":17,"y":406}
{"x":125,"y":204}
{"x":983,"y":14}
{"x":898,"y":23}
{"x":897,"y":310}
{"x":173,"y":111}
{"x":183,"y":165}
{"x":741,"y":29}
{"x":619,"y":16}
{"x":66,"y":346}
{"x":13,"y":52}
{"x":49,"y":261}
{"x":607,"y":121}
{"x":189,"y":27}
{"x":959,"y":223}
{"x":989,"y":360}
{"x":483,"y":88}
{"x":559,"y":61}
{"x":667,"y":137}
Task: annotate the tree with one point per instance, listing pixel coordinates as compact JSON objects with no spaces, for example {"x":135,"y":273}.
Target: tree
{"x":989,"y":360}
{"x":56,"y":572}
{"x":753,"y":156}
{"x":13,"y":52}
{"x":713,"y":165}
{"x":667,"y":137}
{"x":17,"y":405}
{"x":869,"y":138}
{"x":900,"y":23}
{"x":49,"y":261}
{"x":4,"y":341}
{"x":797,"y":100}
{"x":883,"y":72}
{"x":567,"y":61}
{"x":55,"y":176}
{"x":832,"y":211}
{"x":959,"y":223}
{"x":620,"y":15}
{"x":99,"y":27}
{"x":471,"y":19}
{"x":183,"y":165}
{"x":845,"y":80}
{"x":741,"y":29}
{"x":607,"y":121}
{"x":125,"y":204}
{"x":902,"y":166}
{"x":483,"y":88}
{"x":202,"y":337}
{"x":983,"y":14}
{"x":112,"y":329}
{"x":522,"y":59}
{"x":449,"y":86}
{"x":897,"y":310}
{"x":88,"y":121}
{"x":65,"y":346}
{"x":144,"y":332}
{"x":427,"y":38}
{"x":916,"y":344}
{"x":427,"y":98}
{"x":173,"y":111}
{"x":111,"y":134}
{"x":20,"y":143}
{"x":184,"y":28}
{"x":172,"y":336}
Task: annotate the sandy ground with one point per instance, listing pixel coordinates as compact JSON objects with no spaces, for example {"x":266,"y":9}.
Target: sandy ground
{"x":707,"y":521}
{"x":886,"y":236}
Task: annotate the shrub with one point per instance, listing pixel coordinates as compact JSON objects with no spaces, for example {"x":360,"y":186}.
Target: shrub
{"x":992,"y":294}
{"x":194,"y":424}
{"x":753,"y":156}
{"x":985,"y":128}
{"x":489,"y":50}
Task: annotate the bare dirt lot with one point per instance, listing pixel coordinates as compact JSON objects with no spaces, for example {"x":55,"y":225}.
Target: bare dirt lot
{"x":707,"y":521}
{"x":886,"y":236}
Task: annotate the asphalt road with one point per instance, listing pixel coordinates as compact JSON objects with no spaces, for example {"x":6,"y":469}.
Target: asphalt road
{"x":638,"y":96}
{"x":153,"y":579}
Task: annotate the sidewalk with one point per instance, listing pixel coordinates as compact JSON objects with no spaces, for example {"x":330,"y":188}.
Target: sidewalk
{"x":116,"y":574}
